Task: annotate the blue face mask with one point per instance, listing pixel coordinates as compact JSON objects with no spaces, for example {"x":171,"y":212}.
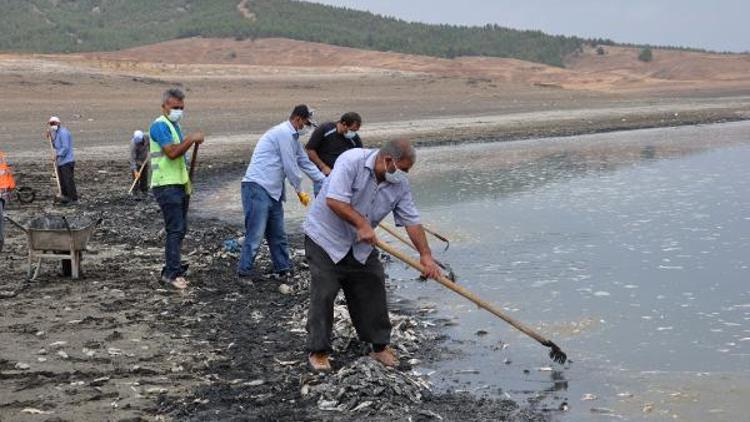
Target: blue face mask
{"x":395,"y":177}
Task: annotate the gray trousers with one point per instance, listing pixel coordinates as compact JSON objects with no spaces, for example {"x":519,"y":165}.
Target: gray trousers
{"x":364,"y":289}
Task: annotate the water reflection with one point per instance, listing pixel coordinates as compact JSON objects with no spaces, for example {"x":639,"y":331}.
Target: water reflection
{"x":630,"y":250}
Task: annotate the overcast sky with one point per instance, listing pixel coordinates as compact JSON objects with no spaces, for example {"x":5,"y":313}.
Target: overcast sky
{"x":722,"y":25}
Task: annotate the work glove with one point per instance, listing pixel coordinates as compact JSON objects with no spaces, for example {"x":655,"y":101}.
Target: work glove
{"x":304,"y":198}
{"x":136,"y":174}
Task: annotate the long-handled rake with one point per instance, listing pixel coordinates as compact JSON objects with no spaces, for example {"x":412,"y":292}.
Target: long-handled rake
{"x":555,"y":353}
{"x":140,"y":174}
{"x":392,"y":231}
{"x":439,"y":236}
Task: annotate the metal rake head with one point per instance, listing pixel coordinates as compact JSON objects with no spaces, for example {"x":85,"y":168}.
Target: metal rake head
{"x":556,"y":354}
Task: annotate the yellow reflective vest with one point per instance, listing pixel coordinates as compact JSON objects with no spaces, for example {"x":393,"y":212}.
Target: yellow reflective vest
{"x":165,"y":171}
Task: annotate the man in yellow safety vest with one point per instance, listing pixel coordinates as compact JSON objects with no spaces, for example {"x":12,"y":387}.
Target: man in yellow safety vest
{"x":170,"y":181}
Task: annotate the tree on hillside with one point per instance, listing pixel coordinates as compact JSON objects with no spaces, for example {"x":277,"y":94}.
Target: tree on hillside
{"x":646,"y":55}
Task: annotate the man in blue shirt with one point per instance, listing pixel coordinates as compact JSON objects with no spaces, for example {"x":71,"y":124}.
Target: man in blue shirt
{"x":277,"y":157}
{"x":364,"y":187}
{"x":170,"y":182}
{"x":62,"y":141}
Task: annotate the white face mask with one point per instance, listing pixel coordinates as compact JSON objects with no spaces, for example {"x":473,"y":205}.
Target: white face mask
{"x":350,"y":135}
{"x":175,"y":115}
{"x":303,"y":131}
{"x":53,"y":128}
{"x":398,"y":175}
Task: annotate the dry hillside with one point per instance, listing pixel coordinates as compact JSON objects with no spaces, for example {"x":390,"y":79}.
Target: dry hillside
{"x":618,"y":69}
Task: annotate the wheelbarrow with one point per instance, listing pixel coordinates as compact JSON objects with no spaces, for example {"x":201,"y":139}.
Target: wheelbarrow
{"x":55,"y":238}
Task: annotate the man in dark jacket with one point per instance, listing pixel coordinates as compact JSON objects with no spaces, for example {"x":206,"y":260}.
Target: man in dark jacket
{"x":332,"y":139}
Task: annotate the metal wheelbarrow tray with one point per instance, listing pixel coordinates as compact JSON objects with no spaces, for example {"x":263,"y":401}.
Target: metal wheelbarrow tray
{"x":58,"y":238}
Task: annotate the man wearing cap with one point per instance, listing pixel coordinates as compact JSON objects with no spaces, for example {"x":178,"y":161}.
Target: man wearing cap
{"x":62,"y":141}
{"x":278,"y":156}
{"x":139,"y":151}
{"x":364,"y":187}
{"x":331,"y":139}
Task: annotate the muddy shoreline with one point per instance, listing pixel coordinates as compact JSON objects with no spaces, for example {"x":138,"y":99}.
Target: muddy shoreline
{"x":116,"y":345}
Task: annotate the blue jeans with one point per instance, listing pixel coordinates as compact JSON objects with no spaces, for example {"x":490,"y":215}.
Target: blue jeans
{"x":317,"y":186}
{"x":174,"y":205}
{"x":264,"y":217}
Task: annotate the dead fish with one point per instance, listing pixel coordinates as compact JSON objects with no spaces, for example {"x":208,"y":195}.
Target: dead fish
{"x":286,"y":362}
{"x":33,"y":411}
{"x":602,"y":411}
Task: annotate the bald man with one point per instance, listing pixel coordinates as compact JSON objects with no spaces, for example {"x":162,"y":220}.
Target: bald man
{"x":364,"y":187}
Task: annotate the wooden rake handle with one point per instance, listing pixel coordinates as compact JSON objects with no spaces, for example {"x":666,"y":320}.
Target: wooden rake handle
{"x":140,"y":174}
{"x":392,"y":231}
{"x":193,"y":161}
{"x":465,"y":293}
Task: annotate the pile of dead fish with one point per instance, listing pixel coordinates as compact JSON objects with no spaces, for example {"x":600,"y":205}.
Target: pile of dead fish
{"x":60,"y":222}
{"x":366,"y":386}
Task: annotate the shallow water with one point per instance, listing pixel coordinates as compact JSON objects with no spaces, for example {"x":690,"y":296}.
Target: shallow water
{"x":630,"y":250}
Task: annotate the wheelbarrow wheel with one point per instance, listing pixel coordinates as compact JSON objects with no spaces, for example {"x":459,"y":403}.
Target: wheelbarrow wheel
{"x":25,"y":195}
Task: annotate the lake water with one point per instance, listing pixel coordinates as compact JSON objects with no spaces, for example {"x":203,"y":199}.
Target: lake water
{"x":630,"y":250}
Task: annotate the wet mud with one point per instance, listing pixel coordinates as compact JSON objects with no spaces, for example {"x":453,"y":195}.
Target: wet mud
{"x":117,"y":345}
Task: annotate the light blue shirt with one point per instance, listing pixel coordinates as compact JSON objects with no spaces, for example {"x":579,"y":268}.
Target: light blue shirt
{"x":63,"y":143}
{"x":278,"y":156}
{"x":353,"y":181}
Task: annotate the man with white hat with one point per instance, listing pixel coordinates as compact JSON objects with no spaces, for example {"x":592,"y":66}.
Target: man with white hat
{"x":62,"y":142}
{"x":139,"y":155}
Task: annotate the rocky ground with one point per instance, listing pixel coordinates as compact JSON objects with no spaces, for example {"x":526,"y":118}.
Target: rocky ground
{"x":116,"y":345}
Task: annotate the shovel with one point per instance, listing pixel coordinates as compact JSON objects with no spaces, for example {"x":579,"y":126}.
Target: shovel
{"x":555,"y":354}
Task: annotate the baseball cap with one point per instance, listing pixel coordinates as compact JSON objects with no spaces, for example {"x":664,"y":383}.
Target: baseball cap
{"x":305,"y":112}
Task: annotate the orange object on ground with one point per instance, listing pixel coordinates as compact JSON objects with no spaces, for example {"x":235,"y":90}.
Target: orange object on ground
{"x":7,"y":182}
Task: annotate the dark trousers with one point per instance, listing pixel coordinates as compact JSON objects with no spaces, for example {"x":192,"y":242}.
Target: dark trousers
{"x":143,"y":182}
{"x":364,"y":288}
{"x":67,"y":181}
{"x":174,"y":206}
{"x":2,"y":222}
